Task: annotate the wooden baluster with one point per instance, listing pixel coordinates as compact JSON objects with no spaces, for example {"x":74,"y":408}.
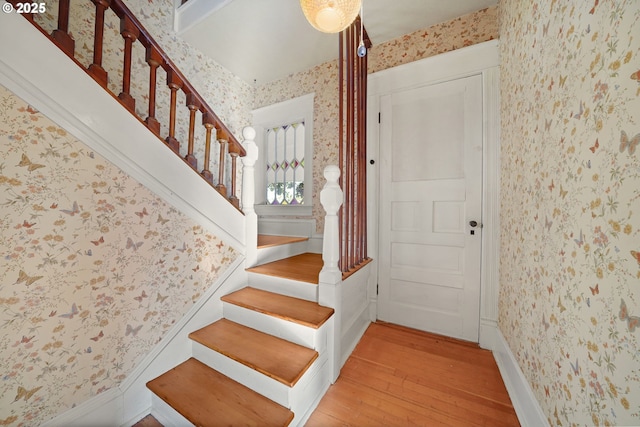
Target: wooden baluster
{"x":61,"y":34}
{"x":233,"y":197}
{"x":174,"y":84}
{"x":130,"y":34}
{"x":208,"y":123}
{"x":154,"y":60}
{"x":221,"y":187}
{"x":193,"y":105}
{"x":95,"y":69}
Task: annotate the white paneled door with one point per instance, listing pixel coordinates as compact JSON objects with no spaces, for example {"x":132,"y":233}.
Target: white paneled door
{"x":430,"y":207}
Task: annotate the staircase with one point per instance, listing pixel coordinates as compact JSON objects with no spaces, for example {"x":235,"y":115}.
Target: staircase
{"x":266,"y":361}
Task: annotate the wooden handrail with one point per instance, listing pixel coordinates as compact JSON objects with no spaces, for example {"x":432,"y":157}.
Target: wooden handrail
{"x":132,"y":31}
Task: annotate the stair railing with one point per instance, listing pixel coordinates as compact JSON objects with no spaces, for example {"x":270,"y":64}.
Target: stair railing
{"x":132,"y":31}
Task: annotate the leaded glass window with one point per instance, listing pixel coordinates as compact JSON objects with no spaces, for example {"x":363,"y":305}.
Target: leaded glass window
{"x":284,"y":156}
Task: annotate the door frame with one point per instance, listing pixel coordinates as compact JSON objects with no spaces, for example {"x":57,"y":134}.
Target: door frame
{"x":480,"y":59}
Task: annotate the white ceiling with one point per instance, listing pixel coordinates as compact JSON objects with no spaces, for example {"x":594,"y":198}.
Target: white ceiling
{"x":265,"y":40}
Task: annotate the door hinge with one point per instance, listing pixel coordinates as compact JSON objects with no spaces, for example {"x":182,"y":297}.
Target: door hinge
{"x":379,"y":115}
{"x":377,"y":289}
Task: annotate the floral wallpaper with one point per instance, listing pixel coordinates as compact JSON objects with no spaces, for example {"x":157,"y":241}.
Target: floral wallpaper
{"x":323,"y":80}
{"x":95,"y":268}
{"x":569,"y":304}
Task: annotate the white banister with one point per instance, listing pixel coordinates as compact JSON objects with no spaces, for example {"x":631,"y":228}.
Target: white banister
{"x":248,"y":195}
{"x":330,"y":280}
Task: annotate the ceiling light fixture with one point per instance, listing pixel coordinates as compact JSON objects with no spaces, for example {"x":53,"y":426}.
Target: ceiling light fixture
{"x":330,"y":16}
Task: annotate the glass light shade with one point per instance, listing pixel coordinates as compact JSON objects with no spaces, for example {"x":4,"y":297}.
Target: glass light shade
{"x":330,"y":16}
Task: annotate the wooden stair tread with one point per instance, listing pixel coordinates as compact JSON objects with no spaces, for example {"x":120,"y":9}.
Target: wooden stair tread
{"x":279,"y":359}
{"x":304,"y":268}
{"x":207,"y":398}
{"x":267,"y":240}
{"x":296,"y":310}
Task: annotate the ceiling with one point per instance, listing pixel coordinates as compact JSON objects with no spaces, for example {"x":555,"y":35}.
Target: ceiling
{"x":265,"y":40}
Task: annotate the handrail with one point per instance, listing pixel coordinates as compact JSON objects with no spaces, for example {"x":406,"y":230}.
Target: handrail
{"x":132,"y":30}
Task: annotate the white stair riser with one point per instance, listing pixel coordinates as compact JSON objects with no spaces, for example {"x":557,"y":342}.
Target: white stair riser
{"x":294,"y":332}
{"x":292,"y":288}
{"x":256,"y":381}
{"x":275,"y":253}
{"x":309,"y":390}
{"x":166,"y":415}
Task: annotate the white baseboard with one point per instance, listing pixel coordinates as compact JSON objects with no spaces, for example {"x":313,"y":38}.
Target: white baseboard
{"x":102,"y":410}
{"x":524,"y":401}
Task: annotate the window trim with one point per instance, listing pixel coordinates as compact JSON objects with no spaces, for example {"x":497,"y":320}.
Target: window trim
{"x":290,"y":111}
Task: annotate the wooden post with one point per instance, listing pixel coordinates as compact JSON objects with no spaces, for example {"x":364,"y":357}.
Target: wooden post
{"x":248,"y":196}
{"x":233,"y":198}
{"x":193,"y":106}
{"x":130,"y":34}
{"x":220,"y":186}
{"x":154,"y":60}
{"x":61,"y":34}
{"x":174,"y":83}
{"x":208,"y":123}
{"x":95,"y":68}
{"x":330,"y":280}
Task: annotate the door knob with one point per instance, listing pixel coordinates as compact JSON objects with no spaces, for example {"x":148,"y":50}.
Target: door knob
{"x":473,"y":223}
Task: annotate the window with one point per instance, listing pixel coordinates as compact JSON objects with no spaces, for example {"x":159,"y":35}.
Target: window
{"x":284,"y":133}
{"x":284,"y":154}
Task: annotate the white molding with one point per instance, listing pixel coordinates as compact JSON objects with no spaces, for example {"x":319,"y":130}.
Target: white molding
{"x":188,"y":15}
{"x":490,"y":280}
{"x":479,"y":59}
{"x":97,"y":119}
{"x":289,"y":111}
{"x":524,"y":402}
{"x":451,"y":65}
{"x":287,"y":227}
{"x":103,"y":409}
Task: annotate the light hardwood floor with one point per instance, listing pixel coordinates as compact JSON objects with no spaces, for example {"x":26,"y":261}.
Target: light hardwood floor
{"x":398,"y":376}
{"x":402,"y":377}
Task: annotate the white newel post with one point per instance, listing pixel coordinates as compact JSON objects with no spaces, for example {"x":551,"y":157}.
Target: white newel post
{"x":248,"y":195}
{"x":329,"y":284}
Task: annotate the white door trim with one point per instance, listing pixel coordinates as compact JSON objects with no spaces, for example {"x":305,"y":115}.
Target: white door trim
{"x":480,"y":59}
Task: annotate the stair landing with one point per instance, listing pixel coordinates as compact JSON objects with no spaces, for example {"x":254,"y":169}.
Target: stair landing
{"x":304,"y":268}
{"x":207,"y":398}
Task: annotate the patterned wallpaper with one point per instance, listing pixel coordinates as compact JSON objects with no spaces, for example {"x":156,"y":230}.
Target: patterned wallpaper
{"x":570,"y":248}
{"x":95,"y":268}
{"x":467,"y":30}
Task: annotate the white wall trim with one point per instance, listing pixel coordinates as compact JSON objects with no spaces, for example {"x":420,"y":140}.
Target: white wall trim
{"x":289,"y":111}
{"x":524,"y":402}
{"x":93,"y":116}
{"x":483,"y":59}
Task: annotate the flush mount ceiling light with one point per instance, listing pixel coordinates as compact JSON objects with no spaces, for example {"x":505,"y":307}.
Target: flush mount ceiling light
{"x":330,"y":16}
